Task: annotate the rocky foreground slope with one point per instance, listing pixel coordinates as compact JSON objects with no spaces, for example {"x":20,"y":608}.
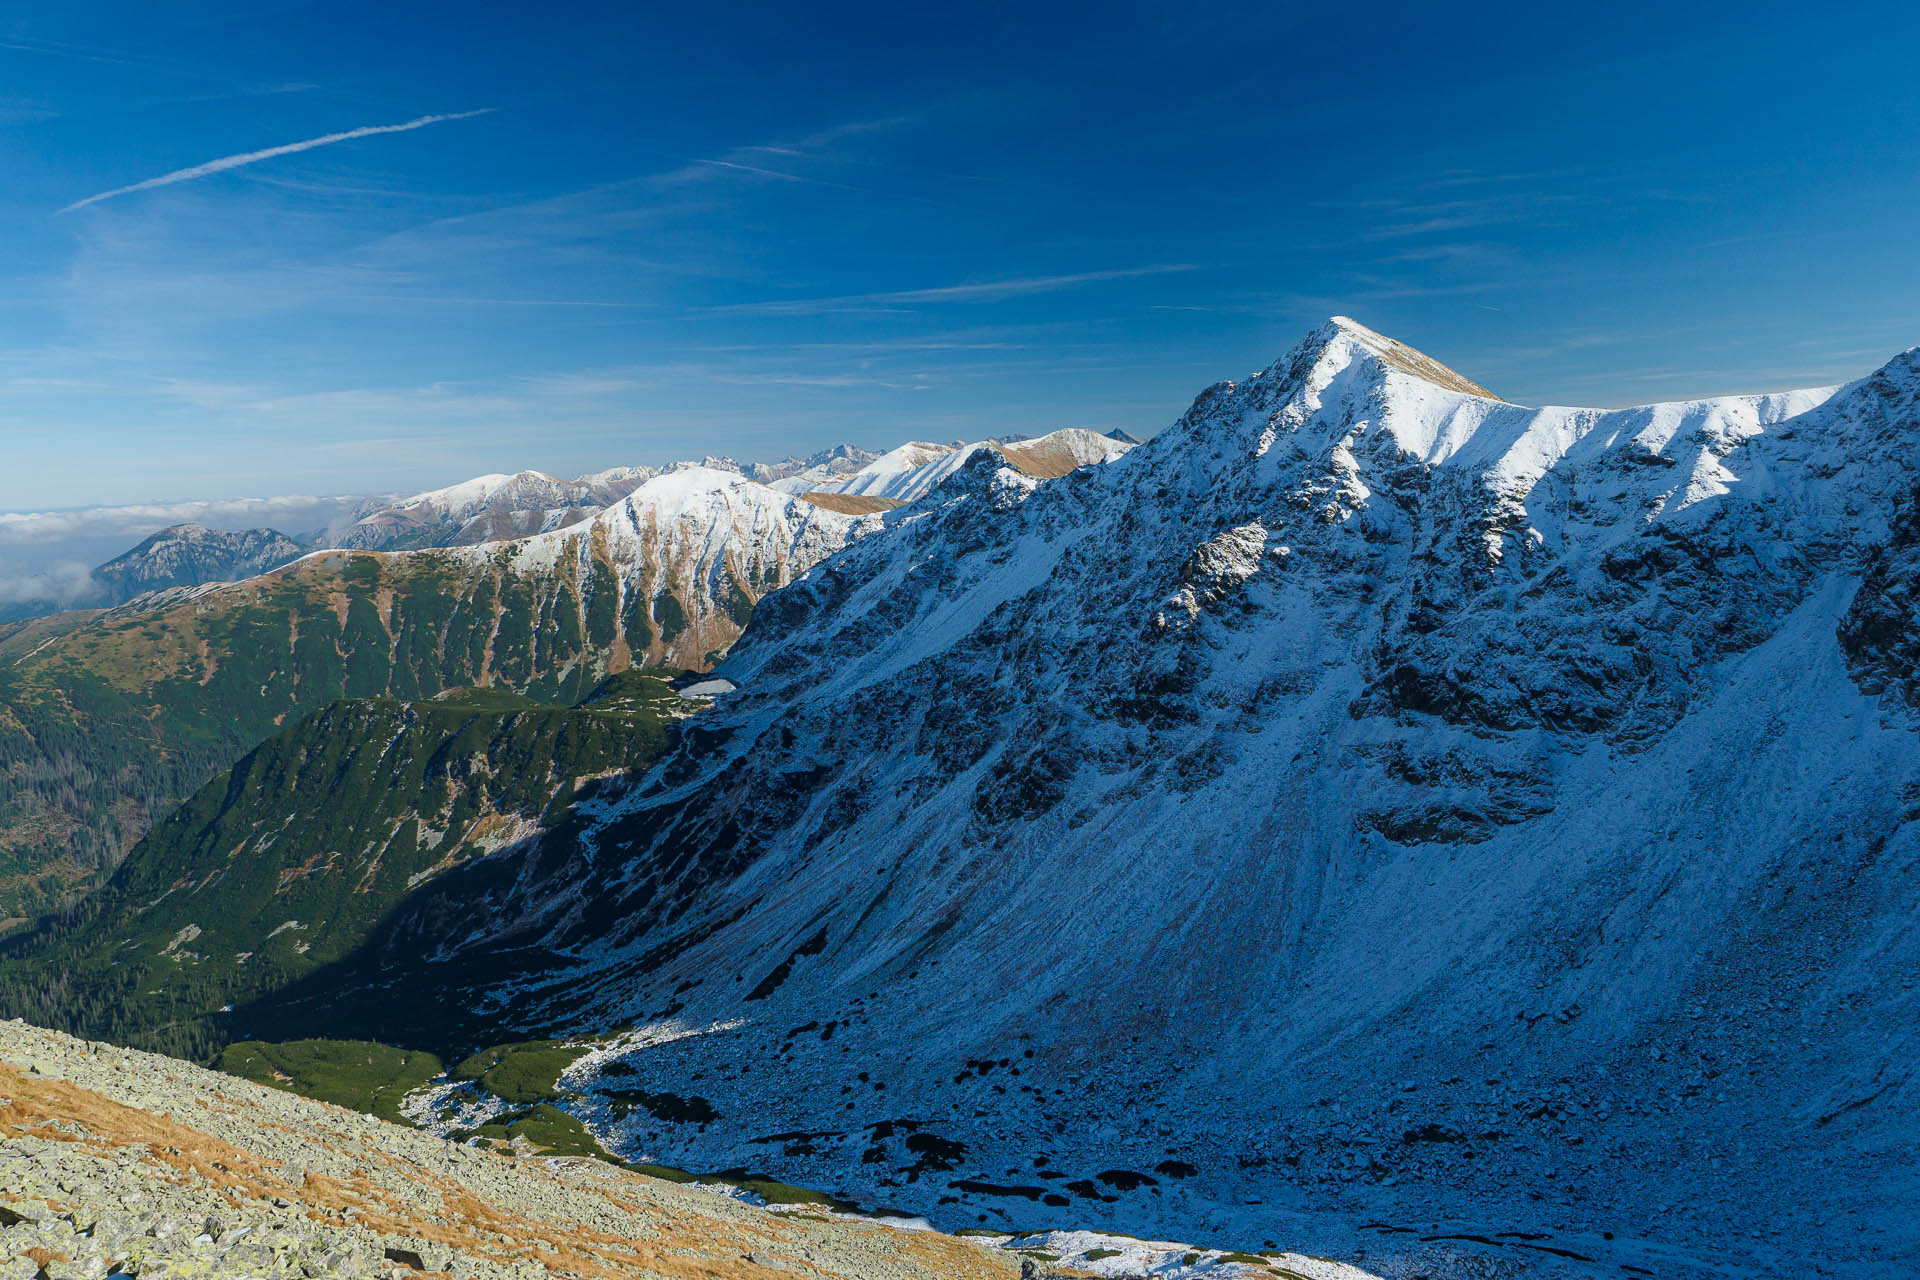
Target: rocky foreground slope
{"x":119,"y":1162}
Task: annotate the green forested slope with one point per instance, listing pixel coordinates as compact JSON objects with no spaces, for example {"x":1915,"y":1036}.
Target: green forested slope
{"x":108,"y":720}
{"x":289,"y":861}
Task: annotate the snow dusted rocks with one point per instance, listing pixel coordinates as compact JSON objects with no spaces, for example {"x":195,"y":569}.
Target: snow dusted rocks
{"x":1881,"y":630}
{"x":1433,"y":822}
{"x":912,"y":471}
{"x":797,"y":475}
{"x":686,"y":556}
{"x":489,"y":508}
{"x":903,"y":473}
{"x":189,"y":555}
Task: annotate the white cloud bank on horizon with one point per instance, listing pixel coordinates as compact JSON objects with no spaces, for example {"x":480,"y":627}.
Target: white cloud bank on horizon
{"x":47,"y":557}
{"x":254,"y":157}
{"x":64,"y":582}
{"x":144,"y":518}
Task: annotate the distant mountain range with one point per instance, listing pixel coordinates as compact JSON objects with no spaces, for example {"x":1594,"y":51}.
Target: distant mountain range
{"x":487,"y":508}
{"x":490,"y":508}
{"x":188,"y":673}
{"x":181,"y":555}
{"x":911,"y":471}
{"x":187,"y":555}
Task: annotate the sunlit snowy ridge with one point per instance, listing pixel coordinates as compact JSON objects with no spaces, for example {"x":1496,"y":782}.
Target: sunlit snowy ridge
{"x":1398,"y":806}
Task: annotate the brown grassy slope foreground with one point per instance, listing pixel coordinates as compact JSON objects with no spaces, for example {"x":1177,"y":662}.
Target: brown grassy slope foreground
{"x":161,"y":1167}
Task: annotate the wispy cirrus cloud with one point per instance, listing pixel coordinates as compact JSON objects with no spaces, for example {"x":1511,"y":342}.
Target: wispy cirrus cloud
{"x":803,"y":162}
{"x":754,"y":160}
{"x":981,"y":291}
{"x":225,"y":163}
{"x":59,"y":49}
{"x":1462,"y":215}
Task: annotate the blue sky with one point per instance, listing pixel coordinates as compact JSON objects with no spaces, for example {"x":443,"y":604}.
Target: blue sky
{"x":681,"y":229}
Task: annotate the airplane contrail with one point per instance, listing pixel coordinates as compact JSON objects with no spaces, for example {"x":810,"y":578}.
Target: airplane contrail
{"x":254,"y":157}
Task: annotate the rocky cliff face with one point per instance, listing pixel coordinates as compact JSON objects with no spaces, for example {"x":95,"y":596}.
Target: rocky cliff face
{"x":1880,"y":633}
{"x":1366,"y":792}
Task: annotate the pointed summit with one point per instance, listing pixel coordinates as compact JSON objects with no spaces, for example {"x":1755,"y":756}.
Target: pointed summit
{"x":1406,"y":359}
{"x":188,"y":555}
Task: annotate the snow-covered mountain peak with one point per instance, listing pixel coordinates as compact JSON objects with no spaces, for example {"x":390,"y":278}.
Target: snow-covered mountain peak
{"x":478,"y":490}
{"x":1059,"y":452}
{"x":1349,"y":417}
{"x":1517,"y":777}
{"x":723,"y":512}
{"x":491,"y":507}
{"x":681,"y":484}
{"x":188,"y":555}
{"x":1404,"y":358}
{"x":689,"y":552}
{"x":896,"y":473}
{"x":915,"y":469}
{"x":1344,"y":379}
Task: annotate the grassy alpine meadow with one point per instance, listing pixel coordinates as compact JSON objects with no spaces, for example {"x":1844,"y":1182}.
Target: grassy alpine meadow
{"x":524,"y":1073}
{"x":358,"y":1074}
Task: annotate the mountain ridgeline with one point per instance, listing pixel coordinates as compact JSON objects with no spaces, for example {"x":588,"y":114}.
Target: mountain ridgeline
{"x":1516,"y":778}
{"x":106,"y":726}
{"x":107,"y":720}
{"x":1370,"y":809}
{"x":491,"y":508}
{"x":187,"y":555}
